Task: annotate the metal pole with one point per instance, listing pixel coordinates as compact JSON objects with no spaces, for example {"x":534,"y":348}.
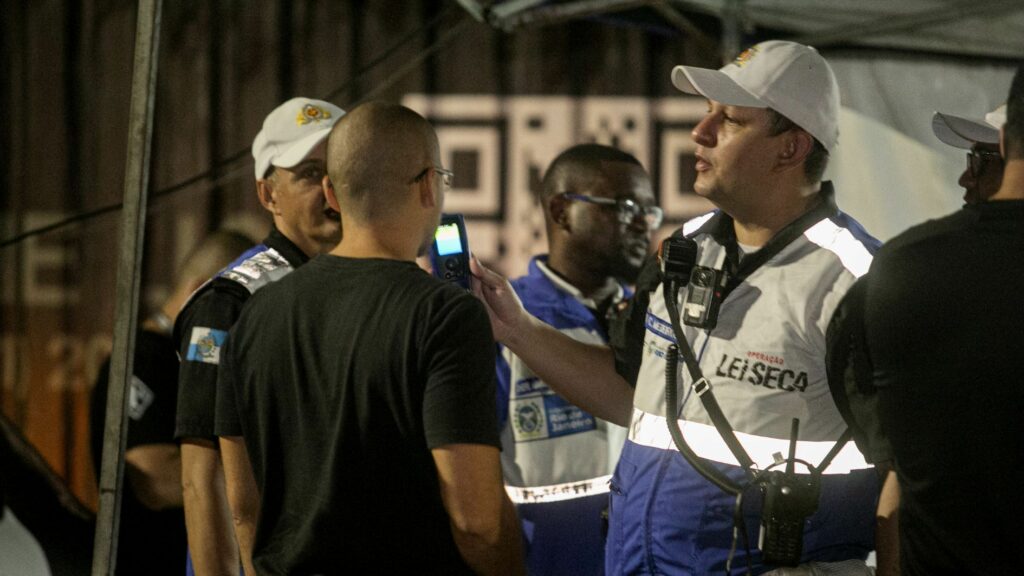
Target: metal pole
{"x":133,"y":225}
{"x":732,"y":30}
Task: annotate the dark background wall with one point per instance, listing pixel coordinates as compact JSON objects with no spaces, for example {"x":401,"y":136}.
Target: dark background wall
{"x":223,"y":65}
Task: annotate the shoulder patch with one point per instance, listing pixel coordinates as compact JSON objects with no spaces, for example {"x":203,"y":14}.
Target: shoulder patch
{"x":204,"y":345}
{"x":140,"y":397}
{"x":258,"y":270}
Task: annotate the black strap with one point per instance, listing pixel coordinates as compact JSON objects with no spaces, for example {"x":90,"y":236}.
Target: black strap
{"x":738,"y":270}
{"x":700,"y":384}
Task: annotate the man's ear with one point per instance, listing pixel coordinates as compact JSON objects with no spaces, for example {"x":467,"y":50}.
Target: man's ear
{"x":558,"y":209}
{"x":426,"y":191}
{"x":329,"y":194}
{"x":796,"y":146}
{"x":265,"y":192}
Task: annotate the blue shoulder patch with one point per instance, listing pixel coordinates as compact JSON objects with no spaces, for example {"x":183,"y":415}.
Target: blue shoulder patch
{"x":204,"y":345}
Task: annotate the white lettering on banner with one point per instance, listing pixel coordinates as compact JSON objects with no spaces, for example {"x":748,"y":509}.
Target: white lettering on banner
{"x":45,"y":260}
{"x":558,"y":492}
{"x":652,"y":431}
{"x":74,"y":362}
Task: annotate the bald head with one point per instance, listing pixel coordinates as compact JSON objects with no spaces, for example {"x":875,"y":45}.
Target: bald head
{"x":374,"y":153}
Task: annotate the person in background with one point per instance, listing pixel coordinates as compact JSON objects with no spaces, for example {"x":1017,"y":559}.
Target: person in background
{"x":289,"y":162}
{"x":151,"y":534}
{"x":984,"y":172}
{"x":557,"y":459}
{"x":943,"y":321}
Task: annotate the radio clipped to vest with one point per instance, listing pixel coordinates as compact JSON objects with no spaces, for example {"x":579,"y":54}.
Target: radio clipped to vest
{"x":789,"y":498}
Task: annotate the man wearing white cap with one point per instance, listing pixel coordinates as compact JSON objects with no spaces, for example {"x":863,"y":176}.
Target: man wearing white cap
{"x":788,"y":255}
{"x":946,"y":365}
{"x":984,"y":172}
{"x":289,"y":153}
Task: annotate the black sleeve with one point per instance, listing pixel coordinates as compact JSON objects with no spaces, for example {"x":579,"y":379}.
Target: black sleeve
{"x":153,"y":392}
{"x":152,"y":396}
{"x":203,"y":328}
{"x":626,"y":327}
{"x":850,"y":375}
{"x":458,"y":352}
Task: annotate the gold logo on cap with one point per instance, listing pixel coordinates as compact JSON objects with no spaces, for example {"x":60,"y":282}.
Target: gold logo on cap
{"x":745,"y":56}
{"x":311,"y":113}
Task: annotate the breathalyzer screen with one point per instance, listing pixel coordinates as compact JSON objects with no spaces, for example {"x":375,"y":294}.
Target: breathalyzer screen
{"x":447,"y":238}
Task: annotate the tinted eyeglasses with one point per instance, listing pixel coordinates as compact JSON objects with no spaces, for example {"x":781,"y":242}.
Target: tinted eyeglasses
{"x":628,"y":210}
{"x":447,"y":176}
{"x":976,"y":160}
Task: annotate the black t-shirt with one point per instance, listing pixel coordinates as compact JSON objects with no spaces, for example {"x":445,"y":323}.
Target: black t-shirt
{"x":345,"y":374}
{"x":149,"y":541}
{"x":203,"y":325}
{"x":945,"y":328}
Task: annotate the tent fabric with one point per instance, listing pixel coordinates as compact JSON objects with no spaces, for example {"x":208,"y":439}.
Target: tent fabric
{"x":992,"y":28}
{"x":985,"y":28}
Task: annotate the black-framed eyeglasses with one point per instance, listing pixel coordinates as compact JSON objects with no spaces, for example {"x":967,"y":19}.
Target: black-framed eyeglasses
{"x":629,"y":211}
{"x":976,"y":160}
{"x":447,"y":176}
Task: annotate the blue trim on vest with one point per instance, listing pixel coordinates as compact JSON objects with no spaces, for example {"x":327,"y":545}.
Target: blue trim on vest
{"x":242,"y":258}
{"x":649,"y":531}
{"x":551,"y":305}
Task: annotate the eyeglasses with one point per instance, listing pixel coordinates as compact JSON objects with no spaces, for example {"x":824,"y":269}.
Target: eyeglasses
{"x":447,"y":176}
{"x":976,"y":160}
{"x":628,"y":210}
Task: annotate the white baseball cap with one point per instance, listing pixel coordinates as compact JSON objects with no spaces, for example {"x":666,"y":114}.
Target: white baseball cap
{"x":291,"y":131}
{"x":960,"y":132}
{"x":792,"y":79}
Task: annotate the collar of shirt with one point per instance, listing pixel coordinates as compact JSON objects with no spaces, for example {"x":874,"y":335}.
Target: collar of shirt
{"x":563,"y":285}
{"x":285,"y":247}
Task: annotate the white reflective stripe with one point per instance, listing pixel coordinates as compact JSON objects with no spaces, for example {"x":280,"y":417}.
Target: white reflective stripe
{"x":652,"y":431}
{"x":691,"y":226}
{"x":841,"y":242}
{"x":558,"y":492}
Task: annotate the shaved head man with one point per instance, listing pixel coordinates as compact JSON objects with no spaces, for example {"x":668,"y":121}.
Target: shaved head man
{"x":370,"y":421}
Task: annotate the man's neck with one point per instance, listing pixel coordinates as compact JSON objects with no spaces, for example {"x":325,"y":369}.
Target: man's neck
{"x":593,"y":286}
{"x":378,"y":242}
{"x":1012,"y":187}
{"x":759,"y":226}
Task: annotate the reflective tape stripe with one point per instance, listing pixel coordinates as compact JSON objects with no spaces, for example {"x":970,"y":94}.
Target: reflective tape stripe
{"x":652,"y":431}
{"x":841,"y":242}
{"x":558,"y":492}
{"x":693,"y":225}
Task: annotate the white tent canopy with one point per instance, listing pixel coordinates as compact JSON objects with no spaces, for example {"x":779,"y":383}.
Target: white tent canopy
{"x":896,"y":64}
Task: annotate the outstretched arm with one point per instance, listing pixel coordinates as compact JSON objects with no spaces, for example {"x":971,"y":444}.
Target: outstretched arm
{"x":583,"y":374}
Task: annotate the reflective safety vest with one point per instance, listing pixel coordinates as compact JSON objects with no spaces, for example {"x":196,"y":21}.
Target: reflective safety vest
{"x":765,"y":361}
{"x":557,"y":459}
